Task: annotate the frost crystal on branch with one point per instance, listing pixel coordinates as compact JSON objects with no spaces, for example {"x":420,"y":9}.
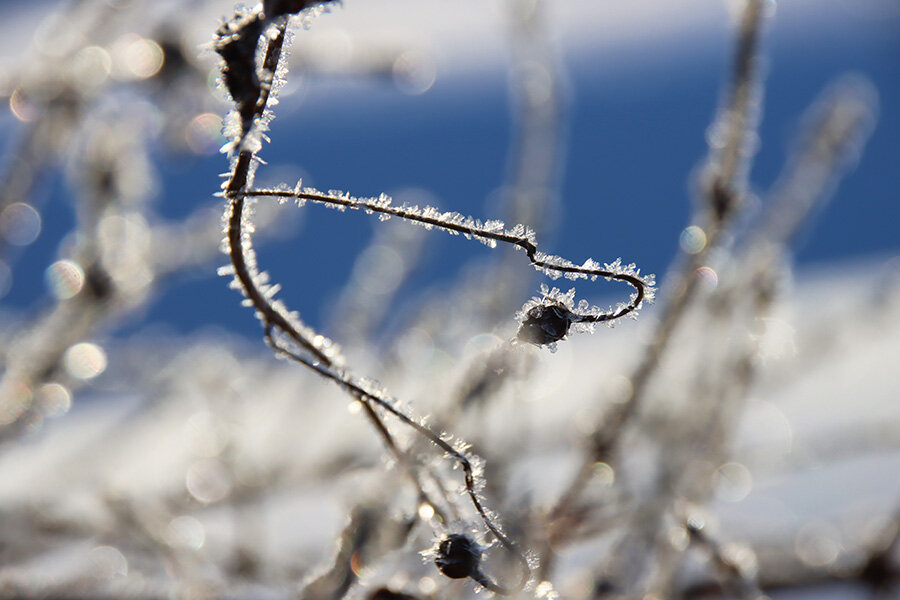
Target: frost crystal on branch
{"x":284,"y":332}
{"x":545,"y":326}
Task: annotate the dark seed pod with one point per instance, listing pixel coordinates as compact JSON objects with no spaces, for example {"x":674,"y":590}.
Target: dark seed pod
{"x":545,"y":324}
{"x":458,"y":556}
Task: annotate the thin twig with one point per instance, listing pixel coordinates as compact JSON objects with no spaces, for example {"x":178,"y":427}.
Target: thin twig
{"x":240,"y":248}
{"x":430,"y":217}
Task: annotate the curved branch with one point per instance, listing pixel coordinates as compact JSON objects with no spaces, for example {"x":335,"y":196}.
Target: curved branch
{"x":490,"y":233}
{"x":372,"y":398}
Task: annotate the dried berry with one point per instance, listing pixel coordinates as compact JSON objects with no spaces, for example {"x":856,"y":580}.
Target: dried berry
{"x":458,"y":556}
{"x":545,"y":324}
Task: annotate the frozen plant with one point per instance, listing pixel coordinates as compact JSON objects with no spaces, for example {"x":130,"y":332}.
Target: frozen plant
{"x":674,"y":457}
{"x":251,"y":82}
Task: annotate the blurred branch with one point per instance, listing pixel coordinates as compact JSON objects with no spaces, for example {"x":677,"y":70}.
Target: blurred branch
{"x":724,"y":189}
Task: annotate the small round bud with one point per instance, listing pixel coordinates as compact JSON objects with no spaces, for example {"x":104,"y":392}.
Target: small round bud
{"x":458,"y":556}
{"x":545,"y":324}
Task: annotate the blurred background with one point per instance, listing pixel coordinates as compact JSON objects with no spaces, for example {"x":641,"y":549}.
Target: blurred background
{"x":144,"y":423}
{"x":416,"y":96}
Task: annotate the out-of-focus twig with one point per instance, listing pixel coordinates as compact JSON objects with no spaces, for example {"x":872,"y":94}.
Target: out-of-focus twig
{"x":723,"y":182}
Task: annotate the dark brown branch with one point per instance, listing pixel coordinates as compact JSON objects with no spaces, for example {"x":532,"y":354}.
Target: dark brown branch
{"x":320,"y":362}
{"x":641,"y":286}
{"x":369,"y":398}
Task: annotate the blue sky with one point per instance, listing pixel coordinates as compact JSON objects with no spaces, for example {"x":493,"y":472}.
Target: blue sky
{"x":637,"y":111}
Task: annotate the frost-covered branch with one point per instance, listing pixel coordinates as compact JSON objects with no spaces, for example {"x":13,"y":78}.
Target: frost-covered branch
{"x":543,"y":320}
{"x":284,"y":332}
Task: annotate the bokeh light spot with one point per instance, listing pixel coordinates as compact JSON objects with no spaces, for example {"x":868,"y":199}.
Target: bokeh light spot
{"x":733,"y":482}
{"x":138,"y":57}
{"x":414,"y":72}
{"x":109,"y":562}
{"x":65,"y":279}
{"x":692,"y":239}
{"x":818,"y":544}
{"x":55,"y":399}
{"x":604,"y":474}
{"x":20,"y":224}
{"x":92,"y":66}
{"x":85,"y":360}
{"x":208,"y":481}
{"x":426,"y":511}
{"x":21,"y":108}
{"x":185,"y":532}
{"x":707,"y":276}
{"x":204,"y":134}
{"x":427,"y":585}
